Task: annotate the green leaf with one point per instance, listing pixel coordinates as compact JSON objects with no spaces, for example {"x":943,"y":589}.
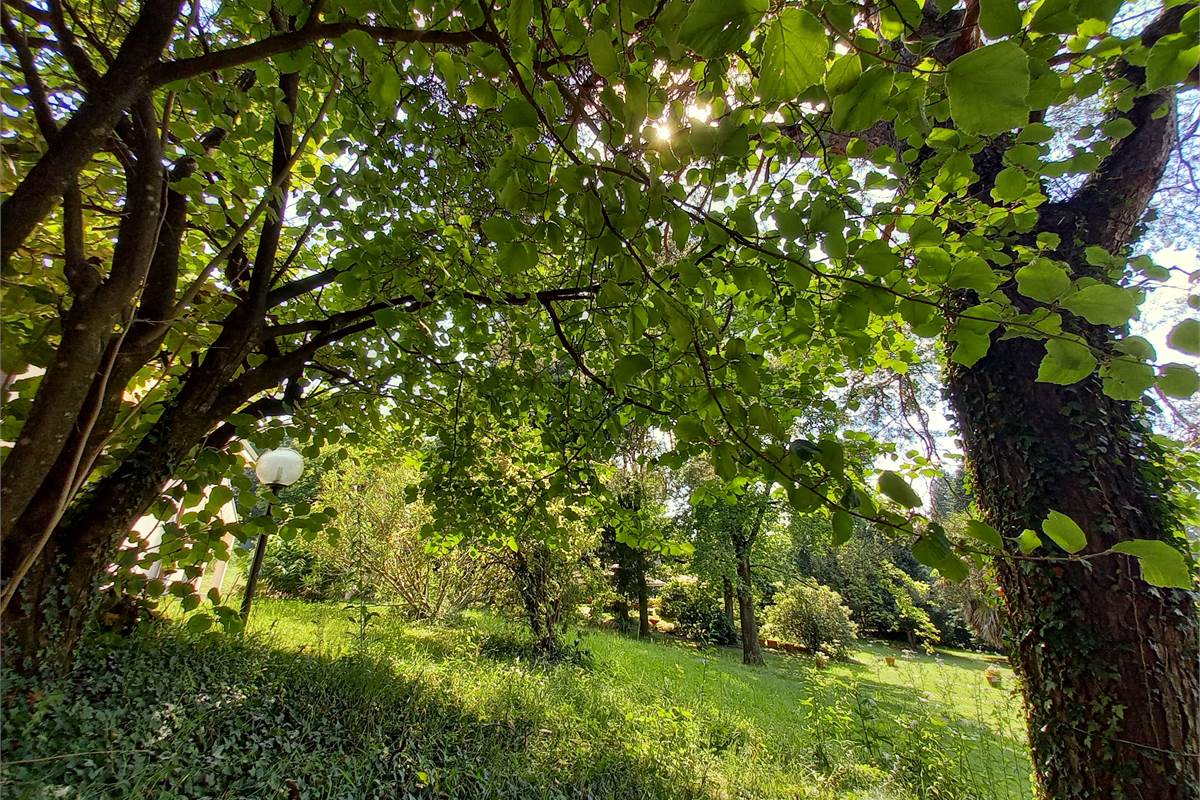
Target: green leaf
{"x":199,"y":623}
{"x":1178,"y":380}
{"x":1055,"y":16}
{"x":988,"y":89}
{"x":1043,"y":280}
{"x":391,"y":85}
{"x":843,"y":527}
{"x":1102,"y":304}
{"x":932,"y":549}
{"x":1117,"y":128}
{"x":629,"y":367}
{"x":999,"y":17}
{"x":481,"y":93}
{"x":803,"y":499}
{"x":1170,"y":60}
{"x":1063,"y":531}
{"x":1036,"y":132}
{"x":1137,"y":346}
{"x":447,"y":67}
{"x":865,"y":103}
{"x":953,"y":568}
{"x":1185,"y":337}
{"x":1028,"y":541}
{"x":603,"y":54}
{"x":1011,"y":184}
{"x":973,"y":273}
{"x":499,"y":229}
{"x":843,"y":74}
{"x":690,"y":429}
{"x":984,"y":534}
{"x":1126,"y":378}
{"x":970,"y":346}
{"x":1103,"y":10}
{"x":713,"y":28}
{"x":517,"y":257}
{"x":519,"y":114}
{"x":520,"y":12}
{"x":1162,"y":564}
{"x":747,"y":376}
{"x":895,"y":487}
{"x":1067,"y":361}
{"x":793,"y":56}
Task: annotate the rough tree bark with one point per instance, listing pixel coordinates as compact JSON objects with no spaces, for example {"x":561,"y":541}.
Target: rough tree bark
{"x":543,"y":610}
{"x":1110,"y":666}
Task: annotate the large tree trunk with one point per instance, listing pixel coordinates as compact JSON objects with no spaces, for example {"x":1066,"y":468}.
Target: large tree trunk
{"x":751,"y":652}
{"x":542,"y":609}
{"x":57,"y":595}
{"x":1110,"y":666}
{"x":1091,"y":642}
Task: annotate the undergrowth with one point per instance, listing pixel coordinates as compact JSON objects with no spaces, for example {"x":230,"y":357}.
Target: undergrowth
{"x":302,"y":707}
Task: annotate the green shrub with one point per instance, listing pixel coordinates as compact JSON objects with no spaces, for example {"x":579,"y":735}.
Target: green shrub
{"x":292,"y":570}
{"x":814,"y":616}
{"x":696,"y":612}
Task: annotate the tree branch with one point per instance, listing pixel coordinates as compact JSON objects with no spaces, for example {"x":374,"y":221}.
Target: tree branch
{"x":88,"y":128}
{"x":194,"y":288}
{"x":1107,"y":207}
{"x":181,"y":69}
{"x":293,"y":289}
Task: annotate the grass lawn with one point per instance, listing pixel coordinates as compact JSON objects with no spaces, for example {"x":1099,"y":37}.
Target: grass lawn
{"x":304,"y":708}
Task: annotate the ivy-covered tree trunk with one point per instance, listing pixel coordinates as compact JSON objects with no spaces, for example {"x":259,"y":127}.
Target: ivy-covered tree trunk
{"x":542,"y":610}
{"x":57,"y":596}
{"x":1109,"y":665}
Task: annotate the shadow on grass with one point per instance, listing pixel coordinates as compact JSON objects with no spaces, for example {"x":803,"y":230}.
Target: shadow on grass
{"x":165,"y":714}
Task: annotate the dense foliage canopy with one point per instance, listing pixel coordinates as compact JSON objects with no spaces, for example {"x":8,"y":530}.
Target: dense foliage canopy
{"x":524,"y":229}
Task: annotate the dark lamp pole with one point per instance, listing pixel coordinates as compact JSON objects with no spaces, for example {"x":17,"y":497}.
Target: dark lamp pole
{"x":276,"y":468}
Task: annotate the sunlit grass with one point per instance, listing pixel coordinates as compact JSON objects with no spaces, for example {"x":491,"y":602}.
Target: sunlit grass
{"x":459,"y":710}
{"x":776,"y":715}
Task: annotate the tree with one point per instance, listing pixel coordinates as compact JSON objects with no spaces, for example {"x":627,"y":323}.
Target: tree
{"x":886,"y":590}
{"x":174,"y":303}
{"x":730,"y":521}
{"x":378,"y":539}
{"x":505,"y":486}
{"x":639,"y":210}
{"x":637,"y":521}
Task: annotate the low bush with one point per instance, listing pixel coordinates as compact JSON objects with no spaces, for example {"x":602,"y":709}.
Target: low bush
{"x":696,"y":612}
{"x":814,"y":616}
{"x":292,"y":570}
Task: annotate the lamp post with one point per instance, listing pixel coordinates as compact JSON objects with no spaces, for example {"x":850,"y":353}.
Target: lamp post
{"x":276,"y":468}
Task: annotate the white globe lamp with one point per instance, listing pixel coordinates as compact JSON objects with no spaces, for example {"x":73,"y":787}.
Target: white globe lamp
{"x":276,"y":468}
{"x":282,"y":466}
